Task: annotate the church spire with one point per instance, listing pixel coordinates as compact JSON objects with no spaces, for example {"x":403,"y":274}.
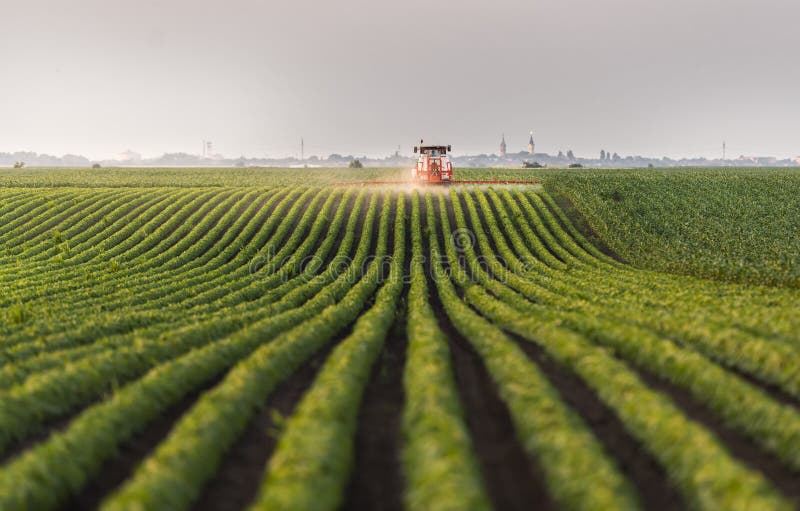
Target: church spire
{"x":531,"y":145}
{"x":503,"y":145}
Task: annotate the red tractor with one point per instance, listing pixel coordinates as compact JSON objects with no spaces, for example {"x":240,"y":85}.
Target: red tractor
{"x":433,"y":165}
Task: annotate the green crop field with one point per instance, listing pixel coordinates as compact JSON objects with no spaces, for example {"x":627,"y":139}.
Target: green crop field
{"x":257,"y":339}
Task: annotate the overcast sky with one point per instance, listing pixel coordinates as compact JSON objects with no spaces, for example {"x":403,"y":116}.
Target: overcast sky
{"x":654,"y":77}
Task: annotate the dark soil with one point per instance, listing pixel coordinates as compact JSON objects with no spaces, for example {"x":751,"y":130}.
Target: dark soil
{"x":773,"y":391}
{"x":39,"y":436}
{"x":239,"y":476}
{"x":512,"y":479}
{"x":650,"y":480}
{"x":376,"y":482}
{"x":655,"y":490}
{"x":115,"y":471}
{"x":737,"y":444}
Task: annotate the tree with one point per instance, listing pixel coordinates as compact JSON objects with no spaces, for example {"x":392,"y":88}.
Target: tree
{"x":356,"y":164}
{"x":602,"y":154}
{"x":560,"y":155}
{"x":19,"y":164}
{"x":570,"y":155}
{"x":95,"y":165}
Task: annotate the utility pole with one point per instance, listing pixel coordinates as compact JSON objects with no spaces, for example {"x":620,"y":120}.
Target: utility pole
{"x":723,"y":150}
{"x":302,"y":150}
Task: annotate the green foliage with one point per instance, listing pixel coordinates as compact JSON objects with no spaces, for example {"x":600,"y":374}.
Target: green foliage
{"x":547,"y":429}
{"x":734,"y":224}
{"x":126,"y":293}
{"x":440,"y":465}
{"x":684,"y":448}
{"x":18,"y":314}
{"x":320,"y":434}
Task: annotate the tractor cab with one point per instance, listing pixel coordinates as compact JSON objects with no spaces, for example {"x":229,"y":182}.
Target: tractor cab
{"x":433,"y":164}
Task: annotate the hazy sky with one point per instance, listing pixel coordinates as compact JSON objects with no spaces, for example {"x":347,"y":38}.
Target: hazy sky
{"x":650,"y":77}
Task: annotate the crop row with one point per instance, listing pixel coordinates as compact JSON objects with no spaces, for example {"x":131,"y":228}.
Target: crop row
{"x":121,"y":303}
{"x":677,"y":447}
{"x":282,"y":315}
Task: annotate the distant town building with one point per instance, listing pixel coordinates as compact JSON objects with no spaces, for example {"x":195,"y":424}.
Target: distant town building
{"x":503,"y":146}
{"x":531,"y":145}
{"x":758,"y":160}
{"x":129,"y":156}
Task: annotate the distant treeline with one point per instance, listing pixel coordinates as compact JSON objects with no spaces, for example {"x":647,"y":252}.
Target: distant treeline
{"x":606,"y":160}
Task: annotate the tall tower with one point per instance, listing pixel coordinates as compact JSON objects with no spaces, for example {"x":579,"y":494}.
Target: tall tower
{"x":503,"y":146}
{"x":531,"y":145}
